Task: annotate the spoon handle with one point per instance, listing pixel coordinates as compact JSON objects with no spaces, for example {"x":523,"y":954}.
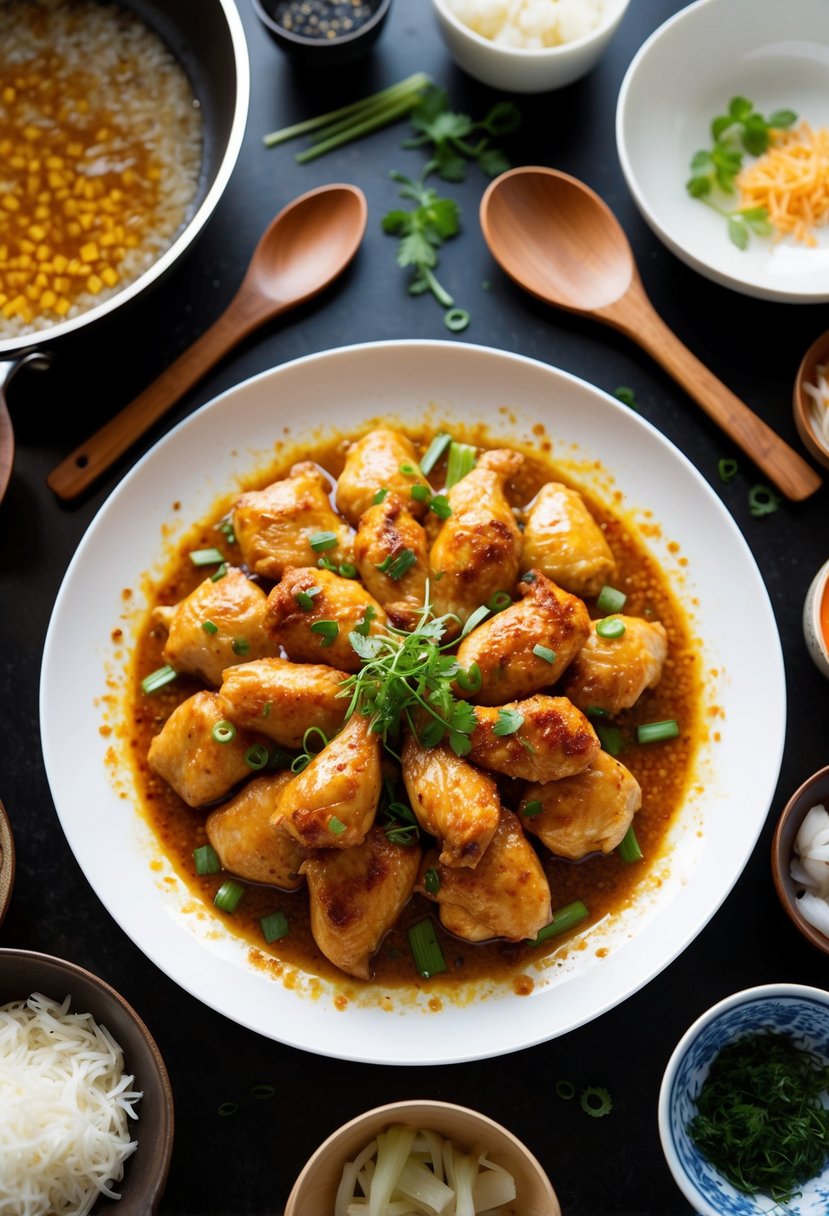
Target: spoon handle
{"x":99,"y":453}
{"x":783,"y":466}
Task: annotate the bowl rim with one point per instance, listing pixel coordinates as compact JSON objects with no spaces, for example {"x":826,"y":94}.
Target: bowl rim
{"x":300,"y":40}
{"x":746,"y":996}
{"x":8,"y":862}
{"x":813,"y":935}
{"x":811,"y":441}
{"x":608,"y":21}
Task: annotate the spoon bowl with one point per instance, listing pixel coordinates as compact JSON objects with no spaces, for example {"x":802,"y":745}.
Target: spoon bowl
{"x":816,"y":356}
{"x":304,"y":248}
{"x":558,"y":240}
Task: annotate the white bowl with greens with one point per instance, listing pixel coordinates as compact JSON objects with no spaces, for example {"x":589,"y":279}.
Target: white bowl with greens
{"x":771,"y":63}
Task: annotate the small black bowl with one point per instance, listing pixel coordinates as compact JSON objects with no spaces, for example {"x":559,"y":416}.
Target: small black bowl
{"x":324,"y":52}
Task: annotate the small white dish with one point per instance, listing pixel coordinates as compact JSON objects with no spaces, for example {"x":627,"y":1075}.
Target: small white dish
{"x":520,"y":70}
{"x":816,"y":641}
{"x":684,"y":75}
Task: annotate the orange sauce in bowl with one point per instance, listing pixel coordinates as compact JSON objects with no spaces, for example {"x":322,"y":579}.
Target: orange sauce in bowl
{"x":823,"y":616}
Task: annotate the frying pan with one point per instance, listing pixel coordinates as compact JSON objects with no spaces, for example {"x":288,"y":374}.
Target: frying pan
{"x":208,"y":40}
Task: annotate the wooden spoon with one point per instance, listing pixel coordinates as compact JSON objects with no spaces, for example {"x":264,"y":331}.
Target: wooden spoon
{"x":303,"y":249}
{"x":557,"y":239}
{"x":816,"y":356}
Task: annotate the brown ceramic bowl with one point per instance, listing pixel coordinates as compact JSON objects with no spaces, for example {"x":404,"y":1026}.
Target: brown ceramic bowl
{"x":316,"y":1187}
{"x":23,"y":972}
{"x":813,"y":792}
{"x":6,"y":862}
{"x":817,"y":354}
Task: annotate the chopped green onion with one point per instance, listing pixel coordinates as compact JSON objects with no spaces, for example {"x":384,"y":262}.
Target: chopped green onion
{"x":425,"y":948}
{"x":328,"y":631}
{"x":499,"y":601}
{"x":596,"y":1101}
{"x":471,"y":679}
{"x":264,"y":1093}
{"x":656,"y":732}
{"x":209,"y":627}
{"x":432,"y":733}
{"x":532,"y":808}
{"x":462,"y":457}
{"x":240,"y":646}
{"x":545,"y":653}
{"x":206,"y":557}
{"x":347,"y":570}
{"x":325,"y":563}
{"x":434,"y":451}
{"x":610,"y":600}
{"x":336,"y":826}
{"x":365,"y":624}
{"x":396,"y":567}
{"x":321,"y":541}
{"x":611,"y":738}
{"x":528,"y":577}
{"x":309,"y":735}
{"x":226,"y":1109}
{"x":565,"y":1090}
{"x":305,"y":599}
{"x":266,"y":709}
{"x":727,"y":469}
{"x":229,"y":895}
{"x":610,"y":627}
{"x":456,"y":319}
{"x":440,"y":506}
{"x":629,"y":849}
{"x":157,"y":679}
{"x":274,"y":926}
{"x":409,"y":470}
{"x":564,"y":918}
{"x":626,"y":396}
{"x":509,"y":721}
{"x":411,"y":85}
{"x":480,"y":614}
{"x":420,"y":492}
{"x":379,"y":497}
{"x":257,"y":756}
{"x":762,"y":500}
{"x":224,"y":731}
{"x":596,"y":711}
{"x":226,"y":529}
{"x":206,"y":860}
{"x":219,"y":574}
{"x":431,"y":881}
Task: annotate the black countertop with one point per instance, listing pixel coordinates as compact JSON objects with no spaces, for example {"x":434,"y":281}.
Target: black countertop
{"x":247,"y":1164}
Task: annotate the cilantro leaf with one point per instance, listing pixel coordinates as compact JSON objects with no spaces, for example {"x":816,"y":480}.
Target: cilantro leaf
{"x":509,"y":721}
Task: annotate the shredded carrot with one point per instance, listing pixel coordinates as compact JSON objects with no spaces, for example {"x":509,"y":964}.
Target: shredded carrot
{"x":791,"y":180}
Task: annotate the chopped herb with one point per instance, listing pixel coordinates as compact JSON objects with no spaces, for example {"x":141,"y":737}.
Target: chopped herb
{"x":762,"y":500}
{"x":379,"y":497}
{"x":656,"y":732}
{"x":532,"y":808}
{"x":305,"y":599}
{"x":157,"y":679}
{"x":224,"y":731}
{"x":627,"y":396}
{"x":321,"y":541}
{"x":219,"y":574}
{"x":474,"y":619}
{"x":229,"y":896}
{"x":266,"y":709}
{"x":206,"y":860}
{"x":439,"y":506}
{"x":564,"y":918}
{"x":274,"y":926}
{"x":595,"y":1101}
{"x":328,"y":631}
{"x":462,"y":457}
{"x":425,"y":948}
{"x":336,"y":826}
{"x":611,"y":738}
{"x":610,"y":600}
{"x":308,"y":752}
{"x":227,"y":531}
{"x":421,"y":493}
{"x":431,"y":881}
{"x":365,"y":624}
{"x":264,"y":1093}
{"x":257,"y":756}
{"x":610,"y":627}
{"x":448,"y":136}
{"x":499,"y":601}
{"x":422,"y":231}
{"x":565,"y":1090}
{"x":240,"y":646}
{"x":456,"y":320}
{"x":206,"y":557}
{"x":395,"y":566}
{"x":434,"y":452}
{"x":409,"y":470}
{"x":727,"y":469}
{"x":545,"y":653}
{"x":226,"y":1109}
{"x":509,"y":721}
{"x":209,"y":627}
{"x":629,"y":849}
{"x":471,"y":679}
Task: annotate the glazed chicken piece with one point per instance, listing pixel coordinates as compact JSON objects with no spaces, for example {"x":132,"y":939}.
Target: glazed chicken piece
{"x":236,"y":607}
{"x":387,"y":538}
{"x":302,"y":599}
{"x":374,"y":463}
{"x":563,"y":540}
{"x":281,"y":700}
{"x":504,"y":646}
{"x":185,"y":753}
{"x":612,"y":673}
{"x":506,"y":895}
{"x":241,"y":833}
{"x":588,"y":813}
{"x":356,"y":896}
{"x":332,"y":803}
{"x":478,"y":548}
{"x":553,"y":740}
{"x":452,"y":800}
{"x":275,"y":526}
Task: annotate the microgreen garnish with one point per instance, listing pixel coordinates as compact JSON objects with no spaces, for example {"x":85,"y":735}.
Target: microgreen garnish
{"x":509,"y":721}
{"x":422,"y":231}
{"x":446,"y":135}
{"x":742,"y":129}
{"x":305,"y":599}
{"x":308,"y":752}
{"x":397,"y":817}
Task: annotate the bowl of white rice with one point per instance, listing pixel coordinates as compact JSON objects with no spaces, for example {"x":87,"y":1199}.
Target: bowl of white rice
{"x":800,"y":859}
{"x":6,"y":862}
{"x":87,"y":1108}
{"x":528,"y":46}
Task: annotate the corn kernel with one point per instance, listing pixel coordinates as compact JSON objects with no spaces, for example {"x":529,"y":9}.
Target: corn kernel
{"x":37,"y":233}
{"x":94,"y":284}
{"x":48,"y":299}
{"x":110,"y":276}
{"x":42,"y":253}
{"x":62,"y":307}
{"x":10,"y":202}
{"x":60,"y":262}
{"x":8,"y":95}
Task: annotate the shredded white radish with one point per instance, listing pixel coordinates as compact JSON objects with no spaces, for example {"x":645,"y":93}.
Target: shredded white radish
{"x":810,"y":867}
{"x":64,"y":1105}
{"x":819,"y":403}
{"x":419,"y":1173}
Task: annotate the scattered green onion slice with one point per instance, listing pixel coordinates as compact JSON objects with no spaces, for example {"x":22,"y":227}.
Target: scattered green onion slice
{"x":456,"y":319}
{"x":241,"y":646}
{"x":595,"y":1101}
{"x":206,"y":860}
{"x":347,"y":570}
{"x":206,"y":557}
{"x":596,"y":711}
{"x":396,"y":566}
{"x":471,"y":679}
{"x":219,"y":574}
{"x":611,"y":738}
{"x":305,"y":599}
{"x":610,"y":600}
{"x":263,"y":1093}
{"x":365,"y":624}
{"x":440,"y":506}
{"x":322,"y":541}
{"x":157,"y":679}
{"x":223,"y":731}
{"x":565,"y":1090}
{"x":727,"y":469}
{"x":226,"y":1109}
{"x":762,"y":500}
{"x":462,"y":457}
{"x":226,"y":529}
{"x":336,"y":826}
{"x":480,"y":614}
{"x":379,"y":497}
{"x":610,"y":627}
{"x":626,"y":395}
{"x":420,"y":492}
{"x":545,"y":653}
{"x":309,"y":735}
{"x":229,"y":895}
{"x":564,"y":918}
{"x":209,"y":627}
{"x":431,"y":881}
{"x":499,"y":601}
{"x":328,"y":631}
{"x":409,"y":470}
{"x":656,"y":732}
{"x":325,"y":563}
{"x":257,"y":756}
{"x":629,"y":849}
{"x":266,"y":709}
{"x":434,"y":451}
{"x":532,"y":808}
{"x":425,"y":948}
{"x":274,"y":926}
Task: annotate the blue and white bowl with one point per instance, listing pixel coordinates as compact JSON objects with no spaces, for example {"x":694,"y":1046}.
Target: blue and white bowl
{"x":802,"y":1013}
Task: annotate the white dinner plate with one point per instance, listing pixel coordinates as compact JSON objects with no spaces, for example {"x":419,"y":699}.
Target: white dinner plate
{"x":604,"y":446}
{"x":777,"y":56}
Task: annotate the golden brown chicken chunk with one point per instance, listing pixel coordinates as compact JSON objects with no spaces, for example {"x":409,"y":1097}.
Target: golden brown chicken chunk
{"x":290,"y":523}
{"x":281,"y":700}
{"x":377,"y":462}
{"x":241,"y":833}
{"x":588,"y":813}
{"x":539,"y":739}
{"x":452,"y":800}
{"x":391,"y":553}
{"x":311,"y":612}
{"x":191,"y":759}
{"x":356,"y":896}
{"x":507,"y":893}
{"x":216,"y":626}
{"x":612,"y":673}
{"x":563,"y":540}
{"x":527,"y":646}
{"x":332,"y":803}
{"x":478,"y":548}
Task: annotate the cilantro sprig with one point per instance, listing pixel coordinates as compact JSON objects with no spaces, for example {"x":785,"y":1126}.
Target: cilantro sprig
{"x":447,"y":134}
{"x":422,"y":232}
{"x":742,"y":129}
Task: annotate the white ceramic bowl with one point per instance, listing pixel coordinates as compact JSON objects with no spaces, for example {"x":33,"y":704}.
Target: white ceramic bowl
{"x":816,"y":643}
{"x":516,"y":70}
{"x":792,"y":1009}
{"x":684,"y":75}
